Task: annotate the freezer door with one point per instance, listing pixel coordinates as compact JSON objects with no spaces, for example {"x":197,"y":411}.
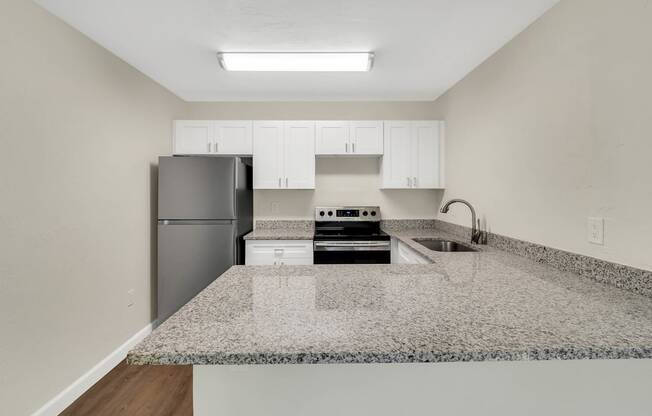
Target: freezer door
{"x":191,"y":255}
{"x":196,"y":188}
{"x":244,"y":196}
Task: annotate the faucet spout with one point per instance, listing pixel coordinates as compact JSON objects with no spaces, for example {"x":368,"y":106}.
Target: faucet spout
{"x":476,"y":234}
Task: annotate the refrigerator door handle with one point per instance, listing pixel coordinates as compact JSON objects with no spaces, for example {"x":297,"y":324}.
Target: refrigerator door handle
{"x":195,"y":222}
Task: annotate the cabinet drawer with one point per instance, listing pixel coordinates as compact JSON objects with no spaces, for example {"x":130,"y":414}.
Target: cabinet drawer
{"x":261,"y":252}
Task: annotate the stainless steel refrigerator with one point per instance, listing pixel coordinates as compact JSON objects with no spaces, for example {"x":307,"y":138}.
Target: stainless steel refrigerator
{"x":205,"y":206}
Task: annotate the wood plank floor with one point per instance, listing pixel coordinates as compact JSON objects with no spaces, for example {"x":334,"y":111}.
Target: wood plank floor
{"x":146,"y":390}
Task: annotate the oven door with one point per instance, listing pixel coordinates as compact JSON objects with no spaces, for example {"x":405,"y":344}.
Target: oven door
{"x":352,"y":252}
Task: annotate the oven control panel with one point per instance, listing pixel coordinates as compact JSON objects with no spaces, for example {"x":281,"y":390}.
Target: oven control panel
{"x":347,"y":213}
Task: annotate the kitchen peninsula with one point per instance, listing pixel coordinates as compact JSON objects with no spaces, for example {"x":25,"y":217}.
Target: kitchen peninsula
{"x":430,"y":336}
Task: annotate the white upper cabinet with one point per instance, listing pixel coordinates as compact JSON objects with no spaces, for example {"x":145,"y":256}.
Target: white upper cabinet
{"x":367,"y":137}
{"x":332,"y":138}
{"x":427,"y":156}
{"x":284,"y":154}
{"x":364,"y":138}
{"x":211,"y":137}
{"x":413,"y":156}
{"x":284,"y":151}
{"x":299,"y":154}
{"x":396,"y":166}
{"x":233,"y":137}
{"x":192,"y":137}
{"x":268,"y":154}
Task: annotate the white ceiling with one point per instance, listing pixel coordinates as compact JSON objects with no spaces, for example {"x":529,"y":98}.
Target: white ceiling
{"x":423,"y":47}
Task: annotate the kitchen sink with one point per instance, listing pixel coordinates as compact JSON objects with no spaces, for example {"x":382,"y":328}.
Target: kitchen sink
{"x":443,"y":245}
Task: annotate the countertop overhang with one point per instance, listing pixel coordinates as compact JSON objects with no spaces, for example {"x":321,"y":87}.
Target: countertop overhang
{"x":489,"y":305}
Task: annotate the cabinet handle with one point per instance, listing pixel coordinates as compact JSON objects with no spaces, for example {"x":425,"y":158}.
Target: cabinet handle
{"x":286,"y":181}
{"x":353,"y":147}
{"x":279,"y":181}
{"x":217,"y":147}
{"x":346,"y":147}
{"x":209,"y":147}
{"x":409,"y":182}
{"x":414,"y":181}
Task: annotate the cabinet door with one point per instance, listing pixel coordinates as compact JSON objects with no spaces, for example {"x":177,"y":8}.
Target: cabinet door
{"x":407,"y":255}
{"x":403,"y":255}
{"x":299,"y":155}
{"x":396,"y":164}
{"x":367,"y":137}
{"x":193,"y":137}
{"x":332,"y":138}
{"x":268,"y":154}
{"x":233,"y":137}
{"x":426,"y":155}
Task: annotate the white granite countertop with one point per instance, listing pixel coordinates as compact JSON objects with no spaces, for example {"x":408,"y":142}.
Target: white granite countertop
{"x":488,"y":305}
{"x":282,"y":230}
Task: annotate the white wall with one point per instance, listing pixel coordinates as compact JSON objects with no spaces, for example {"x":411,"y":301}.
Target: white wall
{"x":555,"y":128}
{"x":339,"y":181}
{"x":80,"y":131}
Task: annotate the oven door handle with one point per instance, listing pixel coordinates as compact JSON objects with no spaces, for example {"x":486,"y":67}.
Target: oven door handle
{"x":352,"y":245}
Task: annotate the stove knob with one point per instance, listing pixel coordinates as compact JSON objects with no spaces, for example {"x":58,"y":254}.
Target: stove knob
{"x":330,"y":213}
{"x":322,"y":213}
{"x":365,"y":213}
{"x":373,"y":213}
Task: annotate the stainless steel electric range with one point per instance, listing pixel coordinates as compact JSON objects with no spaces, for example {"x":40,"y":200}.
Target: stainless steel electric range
{"x":350,"y":235}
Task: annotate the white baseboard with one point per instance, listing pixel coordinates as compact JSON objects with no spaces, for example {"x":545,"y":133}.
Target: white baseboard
{"x":64,"y":399}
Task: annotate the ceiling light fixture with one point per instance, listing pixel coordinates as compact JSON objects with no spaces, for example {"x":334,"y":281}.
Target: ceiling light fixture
{"x":297,"y":61}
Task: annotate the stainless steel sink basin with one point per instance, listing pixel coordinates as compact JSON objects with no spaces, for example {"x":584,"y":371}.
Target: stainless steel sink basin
{"x":443,"y":245}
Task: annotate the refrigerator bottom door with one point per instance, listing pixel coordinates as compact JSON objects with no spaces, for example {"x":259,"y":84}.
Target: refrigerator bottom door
{"x":190,"y":257}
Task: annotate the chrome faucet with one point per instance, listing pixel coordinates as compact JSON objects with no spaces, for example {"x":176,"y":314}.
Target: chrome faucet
{"x":477,"y":236}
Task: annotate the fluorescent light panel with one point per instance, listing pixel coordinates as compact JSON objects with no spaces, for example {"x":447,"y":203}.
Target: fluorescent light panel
{"x":297,"y":61}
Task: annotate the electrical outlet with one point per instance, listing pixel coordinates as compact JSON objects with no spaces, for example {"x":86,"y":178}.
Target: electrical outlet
{"x":596,"y":230}
{"x":131,"y":297}
{"x":274,"y":207}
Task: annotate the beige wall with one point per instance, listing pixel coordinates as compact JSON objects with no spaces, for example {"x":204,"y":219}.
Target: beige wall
{"x":339,"y":181}
{"x":79,"y":133}
{"x":352,"y":110}
{"x":556,"y":127}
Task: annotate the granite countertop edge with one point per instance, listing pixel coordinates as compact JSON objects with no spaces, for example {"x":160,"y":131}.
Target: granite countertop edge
{"x":540,"y":354}
{"x":288,"y":234}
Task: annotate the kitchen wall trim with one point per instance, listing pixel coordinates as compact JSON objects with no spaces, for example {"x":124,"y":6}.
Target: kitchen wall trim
{"x":71,"y":393}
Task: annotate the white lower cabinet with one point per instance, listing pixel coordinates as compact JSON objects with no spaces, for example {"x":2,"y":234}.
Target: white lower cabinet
{"x":406,"y":255}
{"x":278,"y":252}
